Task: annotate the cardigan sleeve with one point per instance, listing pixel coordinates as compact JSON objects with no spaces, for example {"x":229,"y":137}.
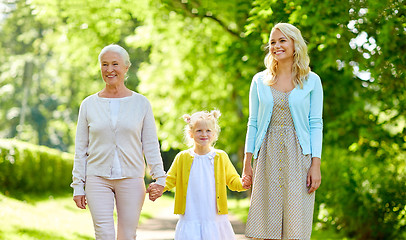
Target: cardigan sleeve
{"x":172,"y":174}
{"x":253,"y":116}
{"x":150,"y":147}
{"x":316,"y":119}
{"x":81,"y":147}
{"x":233,"y":179}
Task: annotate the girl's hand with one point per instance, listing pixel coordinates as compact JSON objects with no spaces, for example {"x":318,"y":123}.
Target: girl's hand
{"x":314,"y":175}
{"x":155,"y":191}
{"x":80,"y":201}
{"x":246,"y":181}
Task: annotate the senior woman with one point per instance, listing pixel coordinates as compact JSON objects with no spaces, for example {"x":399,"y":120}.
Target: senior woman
{"x":115,"y":129}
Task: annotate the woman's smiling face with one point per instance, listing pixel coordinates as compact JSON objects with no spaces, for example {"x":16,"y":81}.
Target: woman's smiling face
{"x":113,"y":68}
{"x":281,"y":47}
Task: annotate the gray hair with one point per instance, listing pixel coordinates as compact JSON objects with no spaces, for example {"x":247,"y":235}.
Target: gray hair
{"x":117,"y":49}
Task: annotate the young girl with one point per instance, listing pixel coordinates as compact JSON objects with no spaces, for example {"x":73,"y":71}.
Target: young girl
{"x":200,"y":175}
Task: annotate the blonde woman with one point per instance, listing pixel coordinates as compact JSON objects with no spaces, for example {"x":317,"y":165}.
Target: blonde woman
{"x":284,"y":139}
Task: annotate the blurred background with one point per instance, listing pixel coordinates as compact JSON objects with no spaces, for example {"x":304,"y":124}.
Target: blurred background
{"x":192,"y":55}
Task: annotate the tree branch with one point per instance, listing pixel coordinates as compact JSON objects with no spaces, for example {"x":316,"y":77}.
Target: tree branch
{"x":190,"y":13}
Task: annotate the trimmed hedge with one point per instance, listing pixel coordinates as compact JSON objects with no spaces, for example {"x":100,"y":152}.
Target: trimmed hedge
{"x":32,"y":168}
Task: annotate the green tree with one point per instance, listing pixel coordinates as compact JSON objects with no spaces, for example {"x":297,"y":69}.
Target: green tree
{"x":191,"y":55}
{"x":205,"y":58}
{"x":200,"y":59}
{"x":50,"y":64}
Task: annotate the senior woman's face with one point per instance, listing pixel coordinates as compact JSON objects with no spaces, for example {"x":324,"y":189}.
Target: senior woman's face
{"x":113,"y":68}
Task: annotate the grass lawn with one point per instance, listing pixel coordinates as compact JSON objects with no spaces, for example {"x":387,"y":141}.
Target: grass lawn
{"x":53,"y":218}
{"x":239,"y":208}
{"x":58,"y":218}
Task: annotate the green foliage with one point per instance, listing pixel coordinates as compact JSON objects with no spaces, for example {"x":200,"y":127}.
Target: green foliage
{"x":33,"y":169}
{"x":360,"y":60}
{"x":49,"y":64}
{"x":190,"y":55}
{"x":363,"y":196}
{"x":198,"y":61}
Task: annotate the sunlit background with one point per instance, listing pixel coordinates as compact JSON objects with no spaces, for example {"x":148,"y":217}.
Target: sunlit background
{"x":190,"y":55}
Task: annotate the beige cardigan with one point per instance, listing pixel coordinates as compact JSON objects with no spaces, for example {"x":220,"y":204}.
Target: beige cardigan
{"x":134,"y":136}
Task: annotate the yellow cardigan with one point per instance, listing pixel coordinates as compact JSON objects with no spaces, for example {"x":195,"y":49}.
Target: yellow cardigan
{"x":224,"y":174}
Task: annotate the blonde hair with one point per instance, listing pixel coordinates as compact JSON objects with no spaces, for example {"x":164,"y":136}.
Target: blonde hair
{"x":301,"y":60}
{"x":191,"y":120}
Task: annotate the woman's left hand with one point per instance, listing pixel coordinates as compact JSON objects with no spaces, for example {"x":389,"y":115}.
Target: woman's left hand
{"x":155,"y":191}
{"x":314,"y":175}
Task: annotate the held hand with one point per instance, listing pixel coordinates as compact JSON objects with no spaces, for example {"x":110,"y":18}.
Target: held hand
{"x":314,"y":175}
{"x":155,"y":191}
{"x":246,"y":181}
{"x":80,"y":201}
{"x":247,"y":176}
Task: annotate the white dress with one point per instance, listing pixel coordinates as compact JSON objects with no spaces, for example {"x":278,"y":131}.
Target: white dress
{"x":201,"y":221}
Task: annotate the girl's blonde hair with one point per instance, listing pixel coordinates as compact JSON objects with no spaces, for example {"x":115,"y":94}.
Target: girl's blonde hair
{"x":301,"y":60}
{"x":191,"y":120}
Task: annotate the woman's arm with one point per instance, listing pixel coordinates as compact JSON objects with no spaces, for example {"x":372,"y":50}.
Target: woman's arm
{"x":252,"y":129}
{"x":150,"y":146}
{"x":316,"y":135}
{"x":316,"y":118}
{"x":252,"y":126}
{"x":81,"y":148}
{"x":314,"y":175}
{"x":247,"y":170}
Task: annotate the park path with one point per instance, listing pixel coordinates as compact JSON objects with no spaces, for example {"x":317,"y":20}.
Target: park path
{"x":162,"y":226}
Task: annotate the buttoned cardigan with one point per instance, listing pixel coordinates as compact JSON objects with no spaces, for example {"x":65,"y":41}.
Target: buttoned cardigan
{"x":224,"y":174}
{"x":306,"y":107}
{"x":133,"y":137}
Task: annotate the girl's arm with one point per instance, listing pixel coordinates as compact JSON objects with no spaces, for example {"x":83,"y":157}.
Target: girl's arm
{"x":172,"y":174}
{"x":156,"y":190}
{"x":233,"y":180}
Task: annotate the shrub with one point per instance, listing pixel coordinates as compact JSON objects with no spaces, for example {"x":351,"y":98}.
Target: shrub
{"x":363,"y":196}
{"x":34,"y":169}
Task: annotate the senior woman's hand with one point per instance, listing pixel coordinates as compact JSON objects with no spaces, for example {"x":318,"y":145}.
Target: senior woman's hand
{"x":155,"y":191}
{"x":80,"y":201}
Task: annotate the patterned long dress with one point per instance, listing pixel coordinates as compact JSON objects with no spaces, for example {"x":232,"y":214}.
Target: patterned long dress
{"x":281,"y":207}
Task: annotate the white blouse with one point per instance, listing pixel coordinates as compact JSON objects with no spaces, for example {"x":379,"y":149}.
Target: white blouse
{"x":114,"y":110}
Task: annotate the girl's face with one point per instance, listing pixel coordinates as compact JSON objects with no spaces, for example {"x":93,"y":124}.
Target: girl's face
{"x":113,"y":68}
{"x":281,"y":47}
{"x":203,"y":134}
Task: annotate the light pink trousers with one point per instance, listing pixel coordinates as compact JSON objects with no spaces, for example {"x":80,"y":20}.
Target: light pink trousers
{"x":129,"y":195}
